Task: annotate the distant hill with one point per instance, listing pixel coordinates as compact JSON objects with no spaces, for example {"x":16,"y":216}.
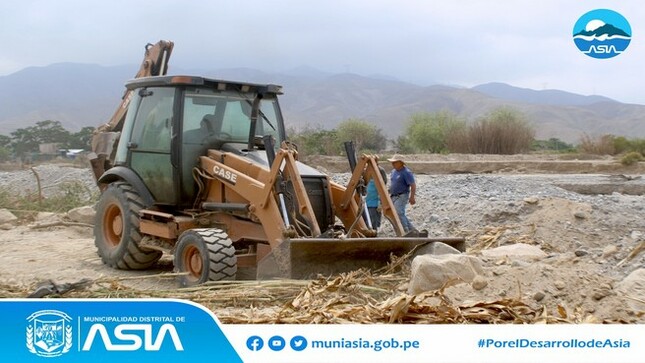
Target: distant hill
{"x":80,"y":95}
{"x":76,"y":94}
{"x":606,"y":29}
{"x":544,"y":97}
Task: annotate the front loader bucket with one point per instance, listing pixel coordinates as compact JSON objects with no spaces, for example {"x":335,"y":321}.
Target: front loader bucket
{"x":304,"y":258}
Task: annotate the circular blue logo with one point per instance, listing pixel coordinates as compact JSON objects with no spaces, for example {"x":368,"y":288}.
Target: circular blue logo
{"x":254,"y":343}
{"x":602,"y":33}
{"x":298,"y":343}
{"x":276,"y":343}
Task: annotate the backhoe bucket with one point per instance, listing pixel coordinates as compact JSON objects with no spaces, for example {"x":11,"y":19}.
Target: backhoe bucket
{"x":305,"y":258}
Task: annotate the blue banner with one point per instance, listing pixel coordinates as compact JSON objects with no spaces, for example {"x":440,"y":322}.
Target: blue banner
{"x":109,"y":330}
{"x":166,"y":330}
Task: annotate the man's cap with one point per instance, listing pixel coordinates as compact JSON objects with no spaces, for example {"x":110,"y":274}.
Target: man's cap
{"x":396,"y":157}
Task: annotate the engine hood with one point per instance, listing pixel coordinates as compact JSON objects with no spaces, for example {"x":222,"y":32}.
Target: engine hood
{"x":259,"y":157}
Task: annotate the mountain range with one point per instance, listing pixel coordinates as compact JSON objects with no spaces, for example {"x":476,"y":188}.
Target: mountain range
{"x":607,"y":29}
{"x":80,"y":95}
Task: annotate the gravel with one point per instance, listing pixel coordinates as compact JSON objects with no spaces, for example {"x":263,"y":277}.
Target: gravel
{"x":591,"y":241}
{"x":52,"y":179}
{"x":471,"y":201}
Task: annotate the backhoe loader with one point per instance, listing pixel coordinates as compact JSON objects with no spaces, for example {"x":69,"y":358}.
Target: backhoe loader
{"x":202,"y":169}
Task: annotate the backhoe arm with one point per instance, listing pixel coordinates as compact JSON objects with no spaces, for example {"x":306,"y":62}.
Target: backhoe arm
{"x":155,"y":63}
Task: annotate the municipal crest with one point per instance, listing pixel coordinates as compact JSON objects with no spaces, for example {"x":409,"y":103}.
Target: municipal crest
{"x":49,"y":333}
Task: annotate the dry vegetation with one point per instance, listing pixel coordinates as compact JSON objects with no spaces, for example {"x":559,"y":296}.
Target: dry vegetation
{"x":354,"y":297}
{"x":602,"y":145}
{"x":502,"y":133}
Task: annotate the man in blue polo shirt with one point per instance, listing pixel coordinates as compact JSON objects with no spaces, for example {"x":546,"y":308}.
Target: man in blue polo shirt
{"x":402,"y":190}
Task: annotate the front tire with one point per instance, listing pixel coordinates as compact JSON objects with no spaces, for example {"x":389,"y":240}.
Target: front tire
{"x":116,"y":231}
{"x":206,"y":254}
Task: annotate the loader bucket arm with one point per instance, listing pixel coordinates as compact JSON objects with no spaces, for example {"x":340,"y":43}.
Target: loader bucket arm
{"x":258,"y":187}
{"x":387,"y":207}
{"x":345,"y":199}
{"x":290,"y":172}
{"x":260,"y":193}
{"x":292,"y":253}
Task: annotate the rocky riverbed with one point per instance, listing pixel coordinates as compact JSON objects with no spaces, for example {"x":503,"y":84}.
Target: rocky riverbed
{"x":549,"y":240}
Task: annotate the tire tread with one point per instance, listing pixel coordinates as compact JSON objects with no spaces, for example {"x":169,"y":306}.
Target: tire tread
{"x":131,"y":257}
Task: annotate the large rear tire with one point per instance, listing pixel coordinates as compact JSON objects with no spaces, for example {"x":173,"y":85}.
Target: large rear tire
{"x":206,"y":254}
{"x":116,"y":231}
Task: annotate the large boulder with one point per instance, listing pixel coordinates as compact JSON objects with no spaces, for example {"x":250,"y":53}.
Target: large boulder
{"x":7,"y":217}
{"x":47,"y":217}
{"x":518,"y":250}
{"x":82,"y":215}
{"x":436,"y":248}
{"x":632,"y":288}
{"x":431,"y":272}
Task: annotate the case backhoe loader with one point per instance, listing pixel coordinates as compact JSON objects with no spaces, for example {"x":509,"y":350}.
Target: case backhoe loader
{"x":202,"y":168}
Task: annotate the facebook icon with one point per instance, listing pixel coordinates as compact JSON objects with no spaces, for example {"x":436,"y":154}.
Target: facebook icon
{"x":254,"y":343}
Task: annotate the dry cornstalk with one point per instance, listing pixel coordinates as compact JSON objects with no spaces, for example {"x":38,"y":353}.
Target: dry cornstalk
{"x":638,"y":249}
{"x":61,"y":223}
{"x":355,"y":297}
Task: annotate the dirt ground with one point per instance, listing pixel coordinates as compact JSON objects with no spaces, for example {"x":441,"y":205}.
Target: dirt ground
{"x":592,"y":242}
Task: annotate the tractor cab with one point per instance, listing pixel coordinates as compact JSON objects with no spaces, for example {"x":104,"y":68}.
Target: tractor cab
{"x":173,"y":120}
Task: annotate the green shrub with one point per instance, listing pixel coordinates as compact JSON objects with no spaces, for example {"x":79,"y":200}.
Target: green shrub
{"x":403,"y":145}
{"x":631,"y":158}
{"x":621,"y":144}
{"x":365,"y":135}
{"x":316,"y":141}
{"x":637,"y":145}
{"x":552,"y":145}
{"x":428,"y":132}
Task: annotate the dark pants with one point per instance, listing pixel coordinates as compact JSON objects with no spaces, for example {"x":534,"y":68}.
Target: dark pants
{"x":375,"y":217}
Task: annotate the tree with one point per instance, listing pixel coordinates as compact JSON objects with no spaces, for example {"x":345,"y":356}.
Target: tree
{"x":51,"y":132}
{"x":81,"y":139}
{"x":403,"y":145}
{"x":5,"y":141}
{"x":366,"y":136}
{"x":316,"y":141}
{"x":5,"y":145}
{"x":28,"y":139}
{"x":5,"y":154}
{"x":24,"y":141}
{"x":429,"y":131}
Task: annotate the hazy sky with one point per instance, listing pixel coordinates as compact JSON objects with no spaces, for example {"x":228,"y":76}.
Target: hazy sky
{"x":523,"y":43}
